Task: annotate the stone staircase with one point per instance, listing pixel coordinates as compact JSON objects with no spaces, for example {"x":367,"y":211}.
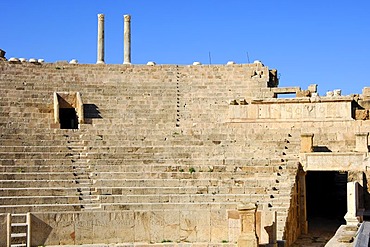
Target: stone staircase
{"x":84,"y":177}
{"x":158,"y":144}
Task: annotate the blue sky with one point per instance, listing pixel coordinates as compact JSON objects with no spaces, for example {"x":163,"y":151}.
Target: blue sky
{"x":322,"y":42}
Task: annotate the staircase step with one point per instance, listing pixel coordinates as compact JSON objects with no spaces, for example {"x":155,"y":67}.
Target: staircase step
{"x":18,"y":245}
{"x":19,"y":215}
{"x":19,"y":224}
{"x":19,"y":235}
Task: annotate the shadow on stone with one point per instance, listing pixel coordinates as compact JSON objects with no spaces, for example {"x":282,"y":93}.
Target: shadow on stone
{"x":40,"y":231}
{"x":321,"y":149}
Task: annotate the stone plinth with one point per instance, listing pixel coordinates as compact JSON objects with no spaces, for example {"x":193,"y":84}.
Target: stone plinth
{"x":248,"y":237}
{"x":352,"y":204}
{"x":362,"y":142}
{"x":306,"y":143}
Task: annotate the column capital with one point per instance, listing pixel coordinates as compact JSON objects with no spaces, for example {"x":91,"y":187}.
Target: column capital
{"x":101,"y":17}
{"x":127,"y":17}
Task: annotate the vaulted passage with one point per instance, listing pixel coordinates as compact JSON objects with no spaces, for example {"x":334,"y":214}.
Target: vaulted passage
{"x":68,"y":118}
{"x":326,"y":194}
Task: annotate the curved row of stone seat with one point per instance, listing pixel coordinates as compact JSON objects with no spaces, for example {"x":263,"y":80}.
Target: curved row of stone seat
{"x":161,"y":198}
{"x":145,"y":182}
{"x":39,"y":148}
{"x":103,"y":207}
{"x":51,"y":175}
{"x":146,"y":165}
{"x":44,"y":191}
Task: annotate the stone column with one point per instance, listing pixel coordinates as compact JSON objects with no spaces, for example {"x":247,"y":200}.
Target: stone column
{"x":127,"y":40}
{"x":362,"y":142}
{"x":306,"y":143}
{"x":100,"y":59}
{"x":352,"y":204}
{"x":302,"y":202}
{"x":248,"y":237}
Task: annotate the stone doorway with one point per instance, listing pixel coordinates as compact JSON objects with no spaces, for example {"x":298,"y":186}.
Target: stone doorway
{"x":68,"y":118}
{"x":326,"y":201}
{"x":326,"y":193}
{"x":68,"y":110}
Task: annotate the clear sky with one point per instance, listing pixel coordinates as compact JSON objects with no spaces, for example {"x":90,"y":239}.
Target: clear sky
{"x":325,"y":42}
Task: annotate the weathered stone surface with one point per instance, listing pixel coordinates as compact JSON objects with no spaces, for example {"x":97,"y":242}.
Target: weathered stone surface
{"x":361,"y":114}
{"x":162,"y":155}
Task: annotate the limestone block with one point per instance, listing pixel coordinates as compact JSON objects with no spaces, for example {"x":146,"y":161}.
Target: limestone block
{"x":362,"y":142}
{"x":333,"y":161}
{"x":219,"y":226}
{"x":266,"y":227}
{"x":171,"y":225}
{"x":306,"y":143}
{"x":361,"y":114}
{"x":329,"y":94}
{"x":303,"y":93}
{"x":142,"y":226}
{"x":337,"y":92}
{"x":366,"y":93}
{"x":248,"y":237}
{"x":157,"y":226}
{"x":83,"y":224}
{"x":63,"y":229}
{"x":13,"y":59}
{"x":123,"y":224}
{"x":188,"y":226}
{"x":312,"y":88}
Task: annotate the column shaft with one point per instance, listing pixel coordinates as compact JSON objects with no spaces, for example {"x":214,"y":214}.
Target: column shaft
{"x":100,"y":59}
{"x":127,"y":40}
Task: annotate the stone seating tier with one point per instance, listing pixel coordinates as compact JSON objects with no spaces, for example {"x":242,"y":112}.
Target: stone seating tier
{"x":158,"y":142}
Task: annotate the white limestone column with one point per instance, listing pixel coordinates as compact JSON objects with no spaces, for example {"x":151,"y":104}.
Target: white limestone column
{"x":127,"y":40}
{"x":100,"y":59}
{"x":352,"y":204}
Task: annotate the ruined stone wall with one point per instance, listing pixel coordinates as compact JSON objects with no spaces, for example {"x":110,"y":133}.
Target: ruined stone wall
{"x":158,"y":140}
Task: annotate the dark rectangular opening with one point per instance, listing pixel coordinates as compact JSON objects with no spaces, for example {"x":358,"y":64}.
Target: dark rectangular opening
{"x":68,"y":118}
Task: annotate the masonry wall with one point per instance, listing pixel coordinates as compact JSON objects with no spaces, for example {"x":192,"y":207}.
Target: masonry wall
{"x":158,"y":140}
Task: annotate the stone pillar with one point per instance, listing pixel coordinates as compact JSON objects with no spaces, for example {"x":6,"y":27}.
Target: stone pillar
{"x":127,"y":40}
{"x":266,"y":226}
{"x":362,"y":142}
{"x":247,"y":214}
{"x":302,"y":202}
{"x":306,"y":143}
{"x":352,"y":204}
{"x":100,"y":59}
{"x":9,"y":230}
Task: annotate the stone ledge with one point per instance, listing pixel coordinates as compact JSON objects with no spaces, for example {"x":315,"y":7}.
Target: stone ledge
{"x":346,"y":161}
{"x":302,"y":100}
